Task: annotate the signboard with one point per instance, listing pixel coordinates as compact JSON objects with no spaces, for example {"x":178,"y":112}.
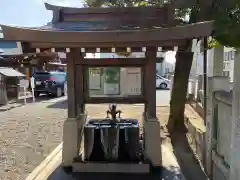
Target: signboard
{"x":32,"y":80}
{"x":111,"y":89}
{"x":94,"y":78}
{"x":24,"y":83}
{"x":134,"y":81}
{"x":134,"y":84}
{"x":112,"y":81}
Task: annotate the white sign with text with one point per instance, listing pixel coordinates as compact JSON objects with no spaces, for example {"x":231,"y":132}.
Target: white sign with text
{"x":24,"y":83}
{"x":33,"y":87}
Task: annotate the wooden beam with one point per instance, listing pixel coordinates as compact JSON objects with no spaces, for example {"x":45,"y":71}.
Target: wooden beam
{"x":79,"y":85}
{"x":123,"y":62}
{"x":106,"y":47}
{"x":72,"y":57}
{"x":119,"y":100}
{"x":150,"y":81}
{"x":115,"y":36}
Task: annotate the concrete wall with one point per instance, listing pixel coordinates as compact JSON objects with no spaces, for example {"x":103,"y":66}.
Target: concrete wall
{"x":229,"y":56}
{"x":229,"y":69}
{"x":213,"y":146}
{"x":197,"y":65}
{"x":222,"y":128}
{"x":197,"y":137}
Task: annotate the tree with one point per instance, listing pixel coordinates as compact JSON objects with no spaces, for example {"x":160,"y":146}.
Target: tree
{"x":226,"y":16}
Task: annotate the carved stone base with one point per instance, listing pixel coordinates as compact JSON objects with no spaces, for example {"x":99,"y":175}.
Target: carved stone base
{"x":152,"y":142}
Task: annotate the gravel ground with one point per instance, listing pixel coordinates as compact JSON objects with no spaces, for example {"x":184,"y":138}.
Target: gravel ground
{"x":29,"y":133}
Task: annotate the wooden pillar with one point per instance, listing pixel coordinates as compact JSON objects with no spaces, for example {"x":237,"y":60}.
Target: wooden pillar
{"x":150,"y":81}
{"x":72,"y":57}
{"x":27,"y":72}
{"x":79,"y":82}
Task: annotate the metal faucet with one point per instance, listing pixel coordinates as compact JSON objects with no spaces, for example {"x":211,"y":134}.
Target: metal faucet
{"x":113,"y":111}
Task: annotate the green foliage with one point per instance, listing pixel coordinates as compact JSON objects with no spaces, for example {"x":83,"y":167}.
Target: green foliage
{"x":112,"y":75}
{"x":213,"y":43}
{"x":123,"y":3}
{"x":93,"y":3}
{"x":225,"y":13}
{"x":227,"y":22}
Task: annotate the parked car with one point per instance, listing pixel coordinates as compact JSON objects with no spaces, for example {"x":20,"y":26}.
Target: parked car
{"x":162,"y":82}
{"x":51,"y":83}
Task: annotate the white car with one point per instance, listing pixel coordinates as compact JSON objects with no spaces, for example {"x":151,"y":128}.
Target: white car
{"x":162,"y":83}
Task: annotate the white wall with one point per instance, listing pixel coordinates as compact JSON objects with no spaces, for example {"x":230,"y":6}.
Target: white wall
{"x":114,"y":55}
{"x":229,"y":55}
{"x":197,"y":66}
{"x":168,"y":64}
{"x":11,"y":50}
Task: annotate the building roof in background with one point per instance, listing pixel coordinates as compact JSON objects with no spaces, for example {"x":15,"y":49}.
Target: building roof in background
{"x":10,"y":72}
{"x":10,"y":48}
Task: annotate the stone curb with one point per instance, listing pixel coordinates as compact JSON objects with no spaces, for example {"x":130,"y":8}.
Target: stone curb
{"x":172,"y":158}
{"x":3,"y":109}
{"x":37,"y":172}
{"x":13,"y":105}
{"x":44,"y":170}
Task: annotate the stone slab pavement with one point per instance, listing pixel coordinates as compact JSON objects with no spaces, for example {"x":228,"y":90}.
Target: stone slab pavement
{"x":30,"y":132}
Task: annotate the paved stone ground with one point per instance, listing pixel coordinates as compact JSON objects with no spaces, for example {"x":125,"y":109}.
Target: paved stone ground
{"x":30,"y":132}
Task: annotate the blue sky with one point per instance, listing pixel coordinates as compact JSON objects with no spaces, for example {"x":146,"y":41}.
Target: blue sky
{"x":30,"y":12}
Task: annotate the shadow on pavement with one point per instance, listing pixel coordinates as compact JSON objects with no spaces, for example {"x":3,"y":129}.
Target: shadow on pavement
{"x":59,"y":104}
{"x":166,"y":174}
{"x":188,"y":162}
{"x":21,"y":102}
{"x":38,"y":99}
{"x":165,"y":89}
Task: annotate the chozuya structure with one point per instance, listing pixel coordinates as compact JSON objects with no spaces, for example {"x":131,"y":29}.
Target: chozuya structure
{"x":81,"y":30}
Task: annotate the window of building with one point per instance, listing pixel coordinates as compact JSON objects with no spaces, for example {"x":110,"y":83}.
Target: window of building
{"x":233,"y":55}
{"x":225,"y":56}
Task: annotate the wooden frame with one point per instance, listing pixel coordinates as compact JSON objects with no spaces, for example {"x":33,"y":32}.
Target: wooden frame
{"x":115,"y":36}
{"x":107,"y":46}
{"x":124,"y":100}
{"x":77,"y":31}
{"x":122,"y":62}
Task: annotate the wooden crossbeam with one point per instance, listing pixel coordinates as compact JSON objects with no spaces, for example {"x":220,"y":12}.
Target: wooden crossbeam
{"x":105,"y":50}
